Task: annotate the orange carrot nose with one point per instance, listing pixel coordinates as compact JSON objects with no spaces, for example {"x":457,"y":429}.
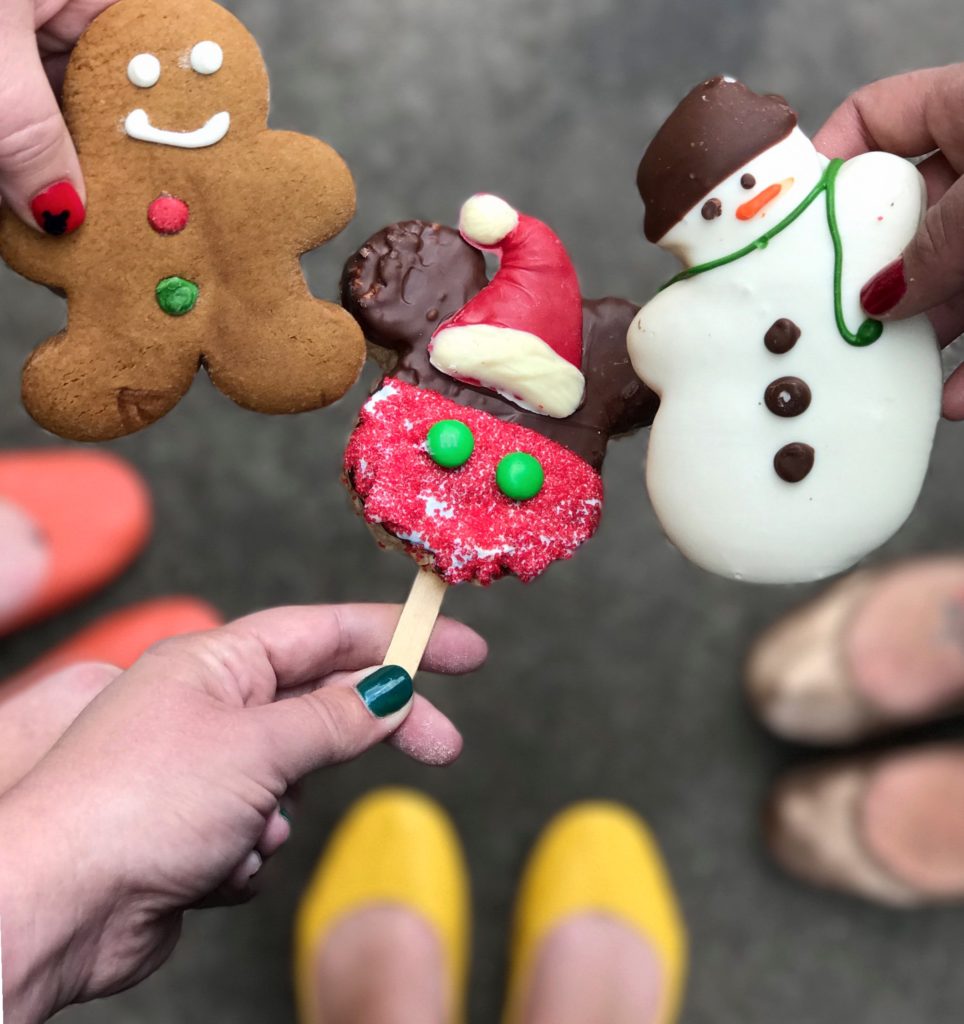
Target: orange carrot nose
{"x":749,"y":209}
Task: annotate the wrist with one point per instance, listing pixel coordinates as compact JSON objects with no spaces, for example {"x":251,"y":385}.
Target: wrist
{"x":43,"y":913}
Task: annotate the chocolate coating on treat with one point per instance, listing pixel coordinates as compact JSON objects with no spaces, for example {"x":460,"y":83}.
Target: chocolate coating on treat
{"x":410,"y":277}
{"x":787,"y":396}
{"x":712,"y":208}
{"x":747,"y":181}
{"x":781,"y":336}
{"x":793,"y":461}
{"x":717,"y":128}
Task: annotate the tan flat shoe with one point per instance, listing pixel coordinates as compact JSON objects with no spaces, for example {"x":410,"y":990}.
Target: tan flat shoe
{"x":813,"y":828}
{"x":798,"y":678}
{"x":800,"y":673}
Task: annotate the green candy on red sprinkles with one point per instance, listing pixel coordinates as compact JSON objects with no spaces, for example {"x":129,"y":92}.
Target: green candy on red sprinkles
{"x":460,"y":519}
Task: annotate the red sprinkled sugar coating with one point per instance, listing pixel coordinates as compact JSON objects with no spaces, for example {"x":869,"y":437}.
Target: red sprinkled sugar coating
{"x":459,"y":516}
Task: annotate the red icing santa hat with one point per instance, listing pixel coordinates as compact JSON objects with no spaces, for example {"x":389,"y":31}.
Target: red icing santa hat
{"x":521,"y":336}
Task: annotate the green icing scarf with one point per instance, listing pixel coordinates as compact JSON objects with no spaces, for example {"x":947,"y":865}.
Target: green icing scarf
{"x":870,"y":330}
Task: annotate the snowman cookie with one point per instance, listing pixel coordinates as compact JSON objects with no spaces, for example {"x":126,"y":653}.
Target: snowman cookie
{"x":196,"y":218}
{"x":793,"y":433}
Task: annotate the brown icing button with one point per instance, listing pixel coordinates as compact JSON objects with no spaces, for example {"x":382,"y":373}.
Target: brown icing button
{"x":793,"y":461}
{"x":747,"y":181}
{"x":712,"y":208}
{"x":781,"y":336}
{"x":787,"y":396}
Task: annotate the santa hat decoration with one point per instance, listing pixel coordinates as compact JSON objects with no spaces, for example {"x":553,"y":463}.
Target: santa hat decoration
{"x":718,"y":127}
{"x":521,"y":336}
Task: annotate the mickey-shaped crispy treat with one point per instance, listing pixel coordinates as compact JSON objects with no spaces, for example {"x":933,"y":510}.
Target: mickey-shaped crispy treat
{"x":196,"y":218}
{"x":473,"y":474}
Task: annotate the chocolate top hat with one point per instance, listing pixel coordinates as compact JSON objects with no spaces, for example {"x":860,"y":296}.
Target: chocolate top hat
{"x":717,"y":128}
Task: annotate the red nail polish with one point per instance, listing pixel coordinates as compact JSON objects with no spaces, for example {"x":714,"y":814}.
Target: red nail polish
{"x":58,"y":209}
{"x":885,"y":289}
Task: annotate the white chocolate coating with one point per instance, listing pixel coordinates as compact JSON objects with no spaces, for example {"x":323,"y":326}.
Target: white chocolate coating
{"x":700,"y":345}
{"x":487,"y":219}
{"x":518,"y":365}
{"x":695,"y":240}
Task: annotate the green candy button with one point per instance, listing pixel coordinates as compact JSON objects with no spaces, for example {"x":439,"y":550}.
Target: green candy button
{"x":519,"y":476}
{"x":176,"y":296}
{"x":450,"y":443}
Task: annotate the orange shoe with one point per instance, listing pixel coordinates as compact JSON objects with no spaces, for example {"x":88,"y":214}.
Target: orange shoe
{"x":121,"y":637}
{"x":80,"y":516}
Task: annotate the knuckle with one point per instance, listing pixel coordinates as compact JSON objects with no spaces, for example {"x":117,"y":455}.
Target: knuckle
{"x":335,"y":724}
{"x":233,"y":664}
{"x":855,"y":104}
{"x":949,"y":99}
{"x":29,"y":143}
{"x":932,"y":237}
{"x":167,"y":648}
{"x":939,"y":243}
{"x":240,"y":654}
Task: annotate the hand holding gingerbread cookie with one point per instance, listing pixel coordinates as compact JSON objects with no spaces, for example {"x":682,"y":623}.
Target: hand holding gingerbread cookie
{"x":197,"y":215}
{"x":40,"y":175}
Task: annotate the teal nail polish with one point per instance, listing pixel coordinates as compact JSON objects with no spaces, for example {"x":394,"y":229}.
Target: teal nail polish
{"x":285,"y":813}
{"x":386,"y":690}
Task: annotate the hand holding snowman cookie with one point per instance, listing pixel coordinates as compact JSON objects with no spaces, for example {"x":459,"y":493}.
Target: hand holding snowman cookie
{"x":918,"y":115}
{"x":794,"y":431}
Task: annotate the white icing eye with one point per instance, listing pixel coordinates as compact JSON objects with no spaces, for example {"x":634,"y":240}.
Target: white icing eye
{"x":144,"y":70}
{"x":206,"y":57}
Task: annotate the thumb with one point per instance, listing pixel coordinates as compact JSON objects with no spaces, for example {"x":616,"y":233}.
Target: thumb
{"x":931,"y":269}
{"x":40,"y":174}
{"x":337,"y":722}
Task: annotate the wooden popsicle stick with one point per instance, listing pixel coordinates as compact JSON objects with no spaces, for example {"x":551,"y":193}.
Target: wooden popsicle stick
{"x":417,"y":621}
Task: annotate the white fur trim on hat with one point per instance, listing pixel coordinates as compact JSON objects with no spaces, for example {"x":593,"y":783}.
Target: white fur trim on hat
{"x":516,"y":364}
{"x":487,"y":219}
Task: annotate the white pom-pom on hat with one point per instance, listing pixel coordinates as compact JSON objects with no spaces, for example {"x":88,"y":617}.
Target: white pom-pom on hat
{"x":487,"y":219}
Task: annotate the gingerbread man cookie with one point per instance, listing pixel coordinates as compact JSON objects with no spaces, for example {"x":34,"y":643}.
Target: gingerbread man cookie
{"x":480,"y":452}
{"x":197,"y":215}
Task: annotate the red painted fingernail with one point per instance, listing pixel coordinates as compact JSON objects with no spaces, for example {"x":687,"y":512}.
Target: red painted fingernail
{"x":58,"y":209}
{"x":884,"y":290}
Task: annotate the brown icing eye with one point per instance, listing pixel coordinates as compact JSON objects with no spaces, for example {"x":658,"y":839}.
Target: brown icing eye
{"x":748,"y":181}
{"x":712,"y":208}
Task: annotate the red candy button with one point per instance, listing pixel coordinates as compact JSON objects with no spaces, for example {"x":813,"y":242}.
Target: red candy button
{"x":167,"y":214}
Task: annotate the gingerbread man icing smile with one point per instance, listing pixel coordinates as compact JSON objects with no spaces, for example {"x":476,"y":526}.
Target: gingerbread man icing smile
{"x":144,"y":71}
{"x":197,"y":216}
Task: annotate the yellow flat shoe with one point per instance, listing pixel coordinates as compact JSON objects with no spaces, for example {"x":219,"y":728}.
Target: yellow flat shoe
{"x":393,"y":847}
{"x":597,"y":857}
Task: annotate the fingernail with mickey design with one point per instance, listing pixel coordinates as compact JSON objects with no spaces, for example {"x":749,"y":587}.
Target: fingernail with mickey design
{"x":58,"y":209}
{"x":885,"y":289}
